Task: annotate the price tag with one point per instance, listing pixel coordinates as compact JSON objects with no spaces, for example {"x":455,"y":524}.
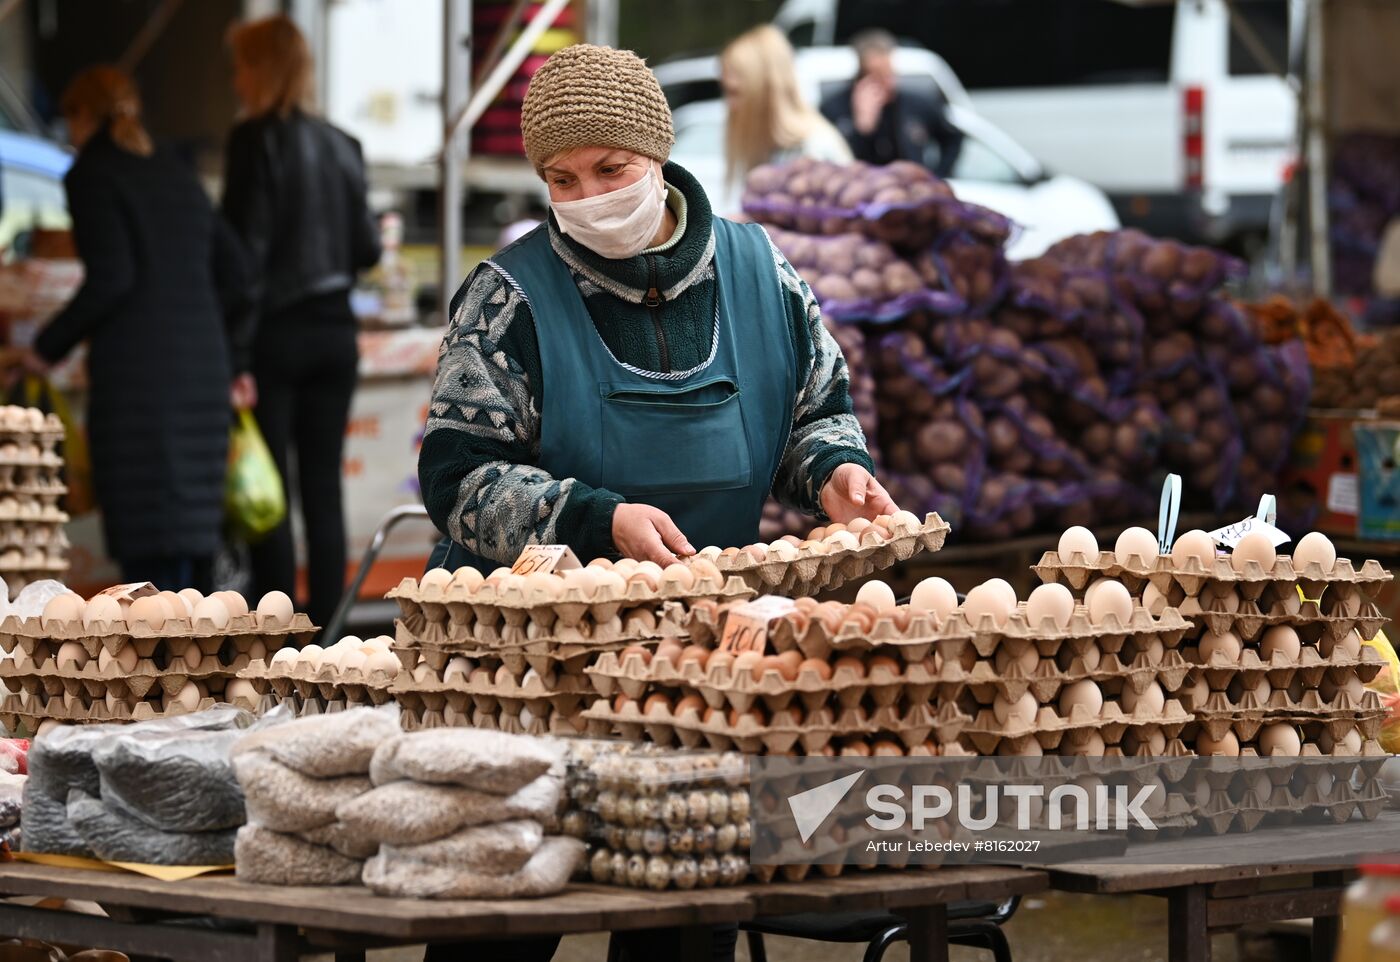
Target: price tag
{"x":1168,"y":513}
{"x":1261,"y":523}
{"x":545,"y":558}
{"x":130,"y":592}
{"x":746,"y":625}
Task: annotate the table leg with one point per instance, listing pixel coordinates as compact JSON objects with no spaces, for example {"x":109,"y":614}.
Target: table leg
{"x":928,"y":932}
{"x":1327,"y":929}
{"x":697,"y":944}
{"x":278,"y":943}
{"x":1188,"y":937}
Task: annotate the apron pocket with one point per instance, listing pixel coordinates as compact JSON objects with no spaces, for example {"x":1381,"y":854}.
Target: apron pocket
{"x":661,"y":442}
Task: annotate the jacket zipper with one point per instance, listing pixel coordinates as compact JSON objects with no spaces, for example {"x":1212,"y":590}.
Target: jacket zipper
{"x":653,"y":302}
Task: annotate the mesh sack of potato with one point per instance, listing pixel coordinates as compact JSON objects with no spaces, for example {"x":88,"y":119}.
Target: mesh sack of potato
{"x":972,"y":267}
{"x":851,"y":340}
{"x":901,"y":203}
{"x":857,"y":278}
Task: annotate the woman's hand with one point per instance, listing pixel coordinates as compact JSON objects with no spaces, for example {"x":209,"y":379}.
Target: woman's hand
{"x":852,"y":492}
{"x":244,"y":393}
{"x":648,"y":534}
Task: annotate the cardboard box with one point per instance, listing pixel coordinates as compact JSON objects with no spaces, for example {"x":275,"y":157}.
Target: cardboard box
{"x":1319,"y":489}
{"x":1376,"y":449}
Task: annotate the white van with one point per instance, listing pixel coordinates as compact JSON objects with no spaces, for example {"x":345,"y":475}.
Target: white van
{"x":1169,"y":108}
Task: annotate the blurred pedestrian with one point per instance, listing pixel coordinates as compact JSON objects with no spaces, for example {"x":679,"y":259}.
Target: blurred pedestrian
{"x":294,"y":190}
{"x":769,"y":121}
{"x":883,"y":121}
{"x":161,"y":273}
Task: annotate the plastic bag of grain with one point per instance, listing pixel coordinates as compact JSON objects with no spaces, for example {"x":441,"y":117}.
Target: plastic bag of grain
{"x":411,"y":813}
{"x":283,"y":799}
{"x":547,"y":872}
{"x":116,"y":837}
{"x":486,"y":761}
{"x":272,"y":858}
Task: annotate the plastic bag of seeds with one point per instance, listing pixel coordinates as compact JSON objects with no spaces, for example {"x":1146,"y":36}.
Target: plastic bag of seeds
{"x":411,"y":813}
{"x":547,"y":871}
{"x":283,"y":799}
{"x":271,"y":858}
{"x":115,"y":837}
{"x":324,"y":746}
{"x":486,"y":761}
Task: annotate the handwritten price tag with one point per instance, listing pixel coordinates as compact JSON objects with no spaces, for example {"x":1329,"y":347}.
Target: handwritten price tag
{"x":746,"y":625}
{"x":546,"y":559}
{"x":1233,"y":534}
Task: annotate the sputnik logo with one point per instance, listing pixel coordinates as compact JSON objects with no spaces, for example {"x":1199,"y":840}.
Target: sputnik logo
{"x":811,"y":808}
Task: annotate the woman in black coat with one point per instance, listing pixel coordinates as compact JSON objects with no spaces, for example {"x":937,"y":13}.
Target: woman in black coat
{"x":294,"y":190}
{"x":156,"y":256}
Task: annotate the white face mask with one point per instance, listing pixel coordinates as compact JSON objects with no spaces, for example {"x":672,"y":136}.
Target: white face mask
{"x":620,"y":223}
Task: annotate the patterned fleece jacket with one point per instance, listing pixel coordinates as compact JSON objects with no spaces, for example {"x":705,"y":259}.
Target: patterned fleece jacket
{"x":478,"y":467}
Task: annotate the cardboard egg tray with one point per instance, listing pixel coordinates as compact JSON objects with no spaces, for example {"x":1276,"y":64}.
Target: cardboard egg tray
{"x":35,"y":566}
{"x":503,"y":692}
{"x":811,"y":573}
{"x":785,"y":731}
{"x":913,"y":641}
{"x":15,"y":710}
{"x":1311,"y":668}
{"x":1247,"y":714}
{"x":1286,"y":791}
{"x":41,"y":644}
{"x":1077,"y":572}
{"x":547,"y":655}
{"x":31,"y":511}
{"x":1057,"y":732}
{"x":1134,"y":670}
{"x":638,"y":626}
{"x":49,"y":678}
{"x":439,"y":615}
{"x":33,"y":534}
{"x":416,"y":713}
{"x":327,"y":683}
{"x":1313,"y":627}
{"x":722,"y":688}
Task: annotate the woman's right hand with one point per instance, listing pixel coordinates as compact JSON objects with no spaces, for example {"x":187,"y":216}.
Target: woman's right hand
{"x":648,"y":534}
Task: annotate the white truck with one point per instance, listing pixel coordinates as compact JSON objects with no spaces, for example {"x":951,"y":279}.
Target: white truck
{"x":1176,"y":109}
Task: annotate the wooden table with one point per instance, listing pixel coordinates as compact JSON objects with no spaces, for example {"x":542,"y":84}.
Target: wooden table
{"x":277,"y":924}
{"x":1294,"y":872}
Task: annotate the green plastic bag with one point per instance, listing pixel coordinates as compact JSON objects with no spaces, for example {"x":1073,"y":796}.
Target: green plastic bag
{"x":254,"y":499}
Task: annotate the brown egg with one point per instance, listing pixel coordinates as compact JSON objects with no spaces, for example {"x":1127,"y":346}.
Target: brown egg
{"x":1279,"y":738}
{"x":696,"y":653}
{"x":806,"y":605}
{"x":877,"y":595}
{"x":641,"y":621}
{"x":842,"y":541}
{"x":1256,"y":548}
{"x":1053,"y":602}
{"x":1315,"y":548}
{"x":816,"y":534}
{"x":636,"y":650}
{"x":817,"y":665}
{"x":1107,"y":598}
{"x":689,"y":703}
{"x":719,"y":660}
{"x":887,"y":749}
{"x":620,"y":703}
{"x":670,"y":650}
{"x":1028,"y":660}
{"x":758,"y":553}
{"x":1082,"y":694}
{"x":1135,"y":545}
{"x":729,"y":553}
{"x":1281,"y":639}
{"x":711,"y":716}
{"x":884,"y":663}
{"x":925,"y":748}
{"x":832,"y":528}
{"x":600,"y":563}
{"x":678,"y":577}
{"x":1194,"y":545}
{"x":643,"y":578}
{"x":789,"y":664}
{"x":705,"y":570}
{"x":657,"y":704}
{"x":936,"y":595}
{"x":1154,"y":601}
{"x":754,"y":714}
{"x":857,"y":526}
{"x":849,"y":663}
{"x":792,"y":539}
{"x":1016,"y":713}
{"x":902,"y":618}
{"x":857,"y":749}
{"x":1150,"y":700}
{"x":1228,"y":745}
{"x":861,"y":615}
{"x":767,"y":664}
{"x":1089,"y":745}
{"x":748,"y":661}
{"x":1226,"y":643}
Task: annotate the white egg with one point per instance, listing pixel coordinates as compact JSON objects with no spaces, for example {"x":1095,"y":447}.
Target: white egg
{"x":213,"y":611}
{"x":435,"y":578}
{"x":241,"y":689}
{"x":1015,"y":714}
{"x":1053,"y":602}
{"x":1107,"y":598}
{"x":125,"y":659}
{"x":936,"y":595}
{"x":102,"y":609}
{"x":1149,"y":701}
{"x":1135,"y":546}
{"x":151,"y":611}
{"x":1084,"y":694}
{"x":1078,"y":543}
{"x":1315,"y":548}
{"x":275,"y":610}
{"x":1197,"y":545}
{"x":876,"y":594}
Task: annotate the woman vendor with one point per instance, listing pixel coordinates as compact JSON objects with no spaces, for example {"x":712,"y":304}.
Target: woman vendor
{"x":633,"y":377}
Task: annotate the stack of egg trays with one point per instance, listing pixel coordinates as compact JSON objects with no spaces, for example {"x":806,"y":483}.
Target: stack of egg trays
{"x":311,"y":690}
{"x":450,"y":616}
{"x":1233,"y":797}
{"x":32,"y":541}
{"x":670,"y":820}
{"x":40,"y":689}
{"x":811,"y":573}
{"x":804,"y":715}
{"x":1133,"y":656}
{"x":480,"y":689}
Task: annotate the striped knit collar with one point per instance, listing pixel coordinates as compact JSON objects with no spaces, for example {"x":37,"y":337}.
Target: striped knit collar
{"x":679,"y":265}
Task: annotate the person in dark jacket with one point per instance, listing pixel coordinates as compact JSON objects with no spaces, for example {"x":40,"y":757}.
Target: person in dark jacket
{"x":294,"y":190}
{"x":161,"y":272}
{"x":884,"y":121}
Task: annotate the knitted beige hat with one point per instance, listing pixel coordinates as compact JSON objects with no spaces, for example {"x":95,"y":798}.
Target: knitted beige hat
{"x":591,"y":96}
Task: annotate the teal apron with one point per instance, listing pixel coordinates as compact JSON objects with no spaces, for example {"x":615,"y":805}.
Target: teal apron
{"x":702,"y":445}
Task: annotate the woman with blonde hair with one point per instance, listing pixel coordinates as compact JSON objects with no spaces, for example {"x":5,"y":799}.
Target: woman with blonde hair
{"x":294,"y":190}
{"x":162,"y":273}
{"x":769,"y":119}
